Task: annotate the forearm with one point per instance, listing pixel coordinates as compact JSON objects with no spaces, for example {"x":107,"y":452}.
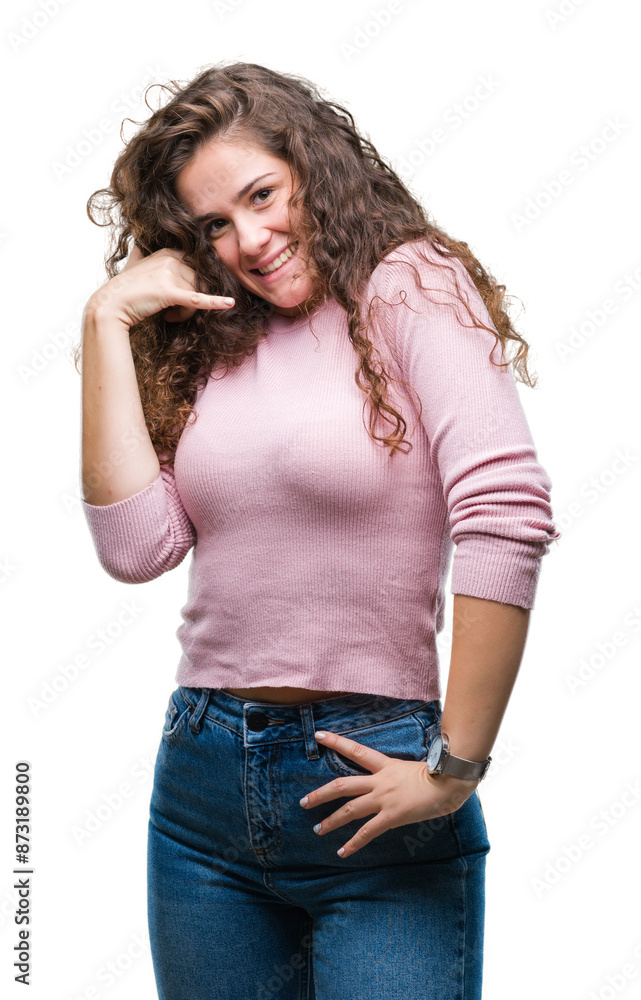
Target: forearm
{"x":118,"y":457}
{"x":487,"y":647}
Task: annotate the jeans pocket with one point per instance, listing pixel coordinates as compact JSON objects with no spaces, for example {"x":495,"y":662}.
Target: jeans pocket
{"x":402,"y":737}
{"x":176,"y":716}
{"x":430,"y":719}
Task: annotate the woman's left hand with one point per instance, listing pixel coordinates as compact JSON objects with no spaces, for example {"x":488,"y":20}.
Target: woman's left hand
{"x":398,"y":792}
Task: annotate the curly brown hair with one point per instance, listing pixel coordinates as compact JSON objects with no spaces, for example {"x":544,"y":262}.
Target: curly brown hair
{"x":353,"y":211}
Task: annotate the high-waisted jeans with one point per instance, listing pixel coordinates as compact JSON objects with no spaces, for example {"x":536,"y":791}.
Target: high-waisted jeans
{"x":246,"y":902}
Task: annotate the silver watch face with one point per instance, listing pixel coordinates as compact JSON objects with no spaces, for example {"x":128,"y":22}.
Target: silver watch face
{"x":434,"y":753}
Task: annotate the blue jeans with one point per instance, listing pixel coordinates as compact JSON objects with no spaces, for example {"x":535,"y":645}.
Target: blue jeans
{"x":246,"y":902}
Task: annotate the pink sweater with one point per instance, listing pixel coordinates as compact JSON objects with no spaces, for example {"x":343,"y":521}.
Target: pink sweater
{"x":318,"y":560}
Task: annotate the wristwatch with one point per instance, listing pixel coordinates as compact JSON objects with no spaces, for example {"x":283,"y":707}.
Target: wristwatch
{"x":441,"y":761}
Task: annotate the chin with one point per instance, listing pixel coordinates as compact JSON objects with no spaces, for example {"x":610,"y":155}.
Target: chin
{"x":288,"y":299}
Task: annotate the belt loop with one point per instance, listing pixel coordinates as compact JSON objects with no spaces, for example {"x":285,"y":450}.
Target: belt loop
{"x":194,"y":722}
{"x":307,"y":719}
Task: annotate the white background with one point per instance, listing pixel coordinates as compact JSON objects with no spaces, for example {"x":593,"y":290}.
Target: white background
{"x":560,"y":916}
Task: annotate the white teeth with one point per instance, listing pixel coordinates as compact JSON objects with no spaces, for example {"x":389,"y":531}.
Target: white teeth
{"x":275,"y":264}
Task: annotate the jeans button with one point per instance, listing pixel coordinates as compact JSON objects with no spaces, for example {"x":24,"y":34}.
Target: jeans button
{"x":257,"y":721}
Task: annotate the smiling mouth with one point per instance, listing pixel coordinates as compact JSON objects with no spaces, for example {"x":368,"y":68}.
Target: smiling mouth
{"x":278,"y":263}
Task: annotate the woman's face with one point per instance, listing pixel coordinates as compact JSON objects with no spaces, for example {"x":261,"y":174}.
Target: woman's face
{"x":238,"y":195}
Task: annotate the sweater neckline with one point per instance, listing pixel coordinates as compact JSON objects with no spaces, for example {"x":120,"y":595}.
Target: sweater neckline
{"x":278,"y":323}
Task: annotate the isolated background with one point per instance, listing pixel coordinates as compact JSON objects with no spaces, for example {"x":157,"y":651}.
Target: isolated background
{"x":541,"y":88}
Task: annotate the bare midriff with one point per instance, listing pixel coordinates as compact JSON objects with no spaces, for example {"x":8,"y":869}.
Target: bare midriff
{"x":282,"y":695}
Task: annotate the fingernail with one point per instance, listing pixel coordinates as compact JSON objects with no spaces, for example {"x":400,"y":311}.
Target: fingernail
{"x":341,"y":851}
{"x":229,"y":302}
{"x":304,"y":800}
{"x":316,"y":828}
{"x":320,"y":735}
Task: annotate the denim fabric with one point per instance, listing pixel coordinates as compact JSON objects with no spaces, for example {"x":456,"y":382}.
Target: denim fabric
{"x":246,"y":902}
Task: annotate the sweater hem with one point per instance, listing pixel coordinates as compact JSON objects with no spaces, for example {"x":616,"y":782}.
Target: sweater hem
{"x":394,"y":686}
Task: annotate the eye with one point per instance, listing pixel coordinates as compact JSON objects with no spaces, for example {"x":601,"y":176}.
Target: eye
{"x":209,"y":227}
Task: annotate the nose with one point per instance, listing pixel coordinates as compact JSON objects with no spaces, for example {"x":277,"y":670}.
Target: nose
{"x":252,"y":240}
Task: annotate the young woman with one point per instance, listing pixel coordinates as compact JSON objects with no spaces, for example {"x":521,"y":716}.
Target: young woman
{"x":315,"y":826}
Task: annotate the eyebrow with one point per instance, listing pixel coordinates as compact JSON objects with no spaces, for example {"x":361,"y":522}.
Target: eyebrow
{"x":239,"y":197}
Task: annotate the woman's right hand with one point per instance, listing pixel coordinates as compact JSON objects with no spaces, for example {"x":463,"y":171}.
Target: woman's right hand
{"x":146,"y":285}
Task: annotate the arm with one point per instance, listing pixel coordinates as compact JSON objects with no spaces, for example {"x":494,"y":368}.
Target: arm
{"x":496,"y":492}
{"x":118,"y":457}
{"x":487,"y":647}
{"x":133,"y":509}
{"x":497,"y":496}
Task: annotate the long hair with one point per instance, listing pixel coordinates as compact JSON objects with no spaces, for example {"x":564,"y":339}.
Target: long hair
{"x":352,"y":210}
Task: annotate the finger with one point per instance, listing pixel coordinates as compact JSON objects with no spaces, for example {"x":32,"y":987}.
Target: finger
{"x":367,"y":833}
{"x":354,"y":809}
{"x":178,"y":257}
{"x":179,"y":271}
{"x":337,"y":789}
{"x":373,"y":760}
{"x":188,"y":302}
{"x":180,"y":268}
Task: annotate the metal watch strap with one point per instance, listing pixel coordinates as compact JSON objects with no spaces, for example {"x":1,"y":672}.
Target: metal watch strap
{"x":459,"y":767}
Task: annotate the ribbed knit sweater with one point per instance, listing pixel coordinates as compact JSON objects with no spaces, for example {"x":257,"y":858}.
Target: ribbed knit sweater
{"x":319,"y":560}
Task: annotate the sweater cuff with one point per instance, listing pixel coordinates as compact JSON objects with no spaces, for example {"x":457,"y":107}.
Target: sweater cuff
{"x":129,"y":525}
{"x":497,"y":570}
